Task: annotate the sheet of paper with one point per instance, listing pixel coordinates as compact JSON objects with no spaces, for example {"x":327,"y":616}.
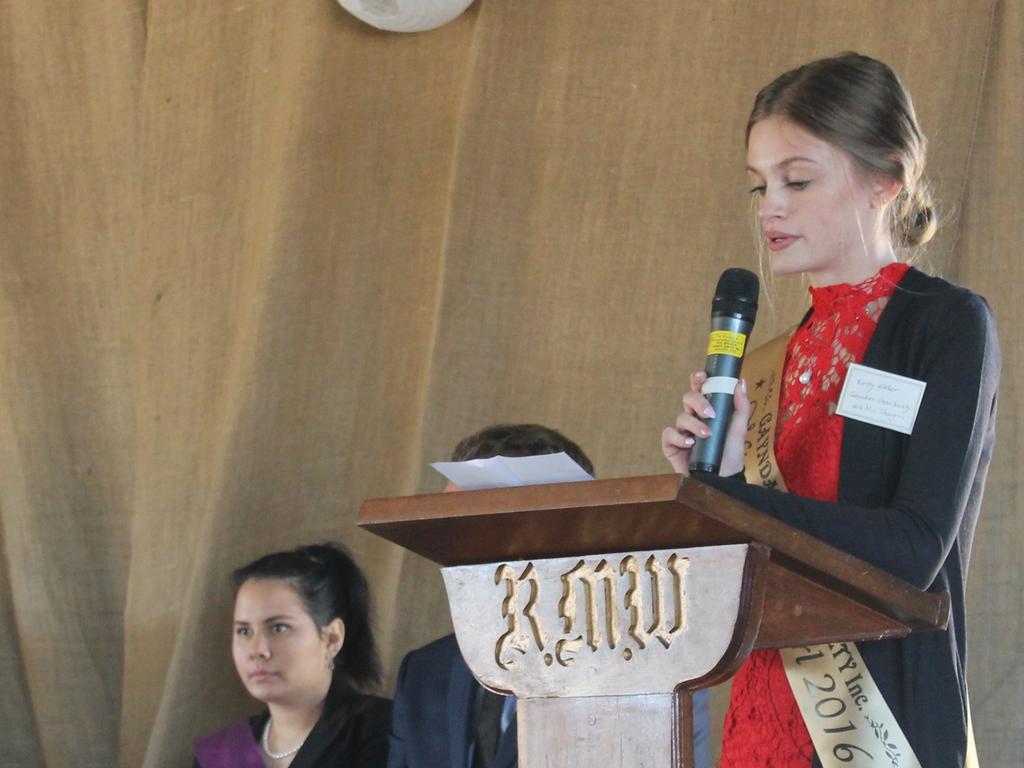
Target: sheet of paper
{"x":506,"y":471}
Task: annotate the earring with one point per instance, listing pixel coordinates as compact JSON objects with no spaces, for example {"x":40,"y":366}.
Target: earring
{"x":330,"y":664}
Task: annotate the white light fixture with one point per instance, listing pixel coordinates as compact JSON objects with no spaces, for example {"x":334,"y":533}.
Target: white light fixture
{"x":405,"y":15}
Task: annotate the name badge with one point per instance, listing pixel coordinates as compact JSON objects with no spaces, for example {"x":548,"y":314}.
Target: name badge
{"x":884,"y":399}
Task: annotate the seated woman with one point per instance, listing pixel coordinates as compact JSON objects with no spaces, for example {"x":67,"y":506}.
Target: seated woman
{"x":302,"y":639}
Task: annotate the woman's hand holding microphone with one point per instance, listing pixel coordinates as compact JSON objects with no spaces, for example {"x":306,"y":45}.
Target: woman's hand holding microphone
{"x":677,"y":441}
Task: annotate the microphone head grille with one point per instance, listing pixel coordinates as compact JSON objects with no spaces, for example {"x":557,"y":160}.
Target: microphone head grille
{"x":737,"y":293}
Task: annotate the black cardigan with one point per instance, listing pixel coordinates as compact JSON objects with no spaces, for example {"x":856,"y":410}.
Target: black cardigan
{"x":909,"y":503}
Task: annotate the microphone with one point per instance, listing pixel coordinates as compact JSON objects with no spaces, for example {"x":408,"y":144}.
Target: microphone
{"x":732,"y":318}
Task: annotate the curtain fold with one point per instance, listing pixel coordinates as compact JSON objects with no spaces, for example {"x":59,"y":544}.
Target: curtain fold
{"x":68,"y":159}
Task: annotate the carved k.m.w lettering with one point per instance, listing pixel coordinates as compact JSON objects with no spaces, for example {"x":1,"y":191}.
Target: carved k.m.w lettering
{"x":634,"y":598}
{"x":582,"y":625}
{"x":516,"y":638}
{"x":591,"y":578}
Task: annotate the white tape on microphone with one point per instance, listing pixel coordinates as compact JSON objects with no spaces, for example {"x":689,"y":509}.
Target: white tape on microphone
{"x":725,"y":385}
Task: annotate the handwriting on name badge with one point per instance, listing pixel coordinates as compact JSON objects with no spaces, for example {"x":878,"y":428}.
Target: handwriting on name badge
{"x":880,"y":398}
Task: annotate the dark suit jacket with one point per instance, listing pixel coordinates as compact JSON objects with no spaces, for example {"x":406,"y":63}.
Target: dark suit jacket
{"x":432,"y":721}
{"x":432,"y":717}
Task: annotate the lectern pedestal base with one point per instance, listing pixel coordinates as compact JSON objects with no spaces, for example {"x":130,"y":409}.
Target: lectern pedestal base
{"x":649,"y":731}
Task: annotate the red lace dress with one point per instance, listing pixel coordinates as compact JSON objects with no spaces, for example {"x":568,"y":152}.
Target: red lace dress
{"x":763,"y":727}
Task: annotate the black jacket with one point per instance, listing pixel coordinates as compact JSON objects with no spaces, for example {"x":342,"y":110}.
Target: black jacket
{"x":351,"y":733}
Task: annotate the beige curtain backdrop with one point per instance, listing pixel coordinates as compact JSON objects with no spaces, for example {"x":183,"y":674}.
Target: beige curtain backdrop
{"x":261,"y":261}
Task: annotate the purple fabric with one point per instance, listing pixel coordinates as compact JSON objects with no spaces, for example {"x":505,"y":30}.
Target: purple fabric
{"x":233,"y":747}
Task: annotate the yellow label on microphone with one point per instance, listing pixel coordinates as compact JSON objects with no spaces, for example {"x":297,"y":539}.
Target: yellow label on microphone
{"x":727,"y":343}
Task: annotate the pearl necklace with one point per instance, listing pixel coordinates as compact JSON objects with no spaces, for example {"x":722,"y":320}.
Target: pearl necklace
{"x":277,"y":755}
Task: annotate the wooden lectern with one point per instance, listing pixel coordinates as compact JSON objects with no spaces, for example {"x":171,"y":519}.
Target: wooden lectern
{"x":602,"y":605}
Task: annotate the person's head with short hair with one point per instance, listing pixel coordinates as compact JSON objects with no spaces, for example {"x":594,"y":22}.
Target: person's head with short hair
{"x":519,"y":440}
{"x":302,"y":626}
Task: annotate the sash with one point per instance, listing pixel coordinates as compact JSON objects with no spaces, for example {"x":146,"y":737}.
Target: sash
{"x":763,"y":371}
{"x":233,"y":747}
{"x":848,"y":720}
